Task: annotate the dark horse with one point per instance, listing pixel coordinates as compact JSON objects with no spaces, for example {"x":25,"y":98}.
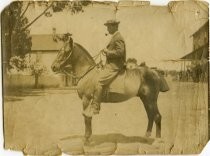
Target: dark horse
{"x":141,"y":82}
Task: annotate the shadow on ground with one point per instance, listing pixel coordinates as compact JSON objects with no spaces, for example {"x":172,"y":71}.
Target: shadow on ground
{"x":12,"y":99}
{"x":23,"y":92}
{"x":18,"y":94}
{"x":115,"y":138}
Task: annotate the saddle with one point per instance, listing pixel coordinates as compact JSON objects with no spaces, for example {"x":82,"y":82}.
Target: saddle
{"x":125,"y":85}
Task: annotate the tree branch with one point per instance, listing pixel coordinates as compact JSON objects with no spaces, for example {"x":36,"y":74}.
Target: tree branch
{"x":25,"y":10}
{"x":38,"y":17}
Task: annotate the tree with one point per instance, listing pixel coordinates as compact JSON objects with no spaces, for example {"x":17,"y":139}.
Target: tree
{"x":16,"y":40}
{"x":27,"y":66}
{"x":37,"y":69}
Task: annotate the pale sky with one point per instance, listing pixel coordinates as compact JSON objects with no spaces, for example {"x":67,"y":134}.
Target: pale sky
{"x":152,"y":34}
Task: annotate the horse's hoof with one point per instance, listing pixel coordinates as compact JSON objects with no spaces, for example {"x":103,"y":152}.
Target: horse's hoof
{"x":159,"y":140}
{"x":148,"y":134}
{"x":86,"y":141}
{"x":89,"y":142}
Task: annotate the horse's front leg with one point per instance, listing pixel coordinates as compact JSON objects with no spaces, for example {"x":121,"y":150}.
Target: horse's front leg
{"x":87,"y":119}
{"x":88,"y":129}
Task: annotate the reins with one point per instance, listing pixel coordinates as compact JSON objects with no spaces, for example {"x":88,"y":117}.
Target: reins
{"x":98,"y":55}
{"x":80,"y":77}
{"x":88,"y":70}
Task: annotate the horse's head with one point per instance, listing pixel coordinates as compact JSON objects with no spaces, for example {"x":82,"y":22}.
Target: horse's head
{"x":62,"y":61}
{"x":73,"y":58}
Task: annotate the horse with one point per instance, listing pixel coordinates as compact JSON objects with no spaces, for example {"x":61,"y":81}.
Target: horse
{"x":141,"y":82}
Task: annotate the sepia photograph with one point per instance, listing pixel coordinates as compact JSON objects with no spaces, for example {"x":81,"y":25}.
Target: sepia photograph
{"x":105,"y":78}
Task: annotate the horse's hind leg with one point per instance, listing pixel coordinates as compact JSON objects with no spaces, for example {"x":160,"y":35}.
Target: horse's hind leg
{"x":149,"y":107}
{"x":157,"y":119}
{"x":150,"y":104}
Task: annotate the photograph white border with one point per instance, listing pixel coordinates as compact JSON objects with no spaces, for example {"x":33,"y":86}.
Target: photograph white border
{"x":4,"y":152}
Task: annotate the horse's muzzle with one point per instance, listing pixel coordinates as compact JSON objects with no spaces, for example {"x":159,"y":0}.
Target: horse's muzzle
{"x":55,"y":67}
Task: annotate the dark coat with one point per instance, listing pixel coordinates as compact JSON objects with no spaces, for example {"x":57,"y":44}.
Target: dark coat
{"x":116,"y":55}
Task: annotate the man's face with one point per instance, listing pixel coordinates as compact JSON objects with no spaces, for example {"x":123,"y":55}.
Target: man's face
{"x":112,"y":28}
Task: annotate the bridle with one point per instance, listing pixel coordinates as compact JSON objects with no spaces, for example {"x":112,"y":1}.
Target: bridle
{"x":86,"y":72}
{"x":70,"y":53}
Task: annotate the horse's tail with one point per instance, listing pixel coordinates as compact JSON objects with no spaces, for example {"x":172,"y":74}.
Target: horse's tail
{"x":163,"y":84}
{"x":151,"y":75}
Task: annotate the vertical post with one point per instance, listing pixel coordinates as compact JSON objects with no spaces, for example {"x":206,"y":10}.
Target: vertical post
{"x":184,"y":72}
{"x":180,"y":74}
{"x":66,"y":80}
{"x":36,"y":81}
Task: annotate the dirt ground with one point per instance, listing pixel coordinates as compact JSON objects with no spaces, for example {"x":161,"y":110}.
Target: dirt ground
{"x":50,"y":122}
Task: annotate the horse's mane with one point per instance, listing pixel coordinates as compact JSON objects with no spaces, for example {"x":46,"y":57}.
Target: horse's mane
{"x":86,"y":52}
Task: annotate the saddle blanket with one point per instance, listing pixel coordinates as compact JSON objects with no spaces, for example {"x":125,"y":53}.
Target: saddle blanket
{"x":126,"y":82}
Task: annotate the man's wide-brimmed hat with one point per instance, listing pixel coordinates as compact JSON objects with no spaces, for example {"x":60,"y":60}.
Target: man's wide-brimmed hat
{"x":111,"y":22}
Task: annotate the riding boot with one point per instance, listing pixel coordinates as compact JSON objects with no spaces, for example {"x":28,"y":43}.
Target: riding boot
{"x":97,"y":99}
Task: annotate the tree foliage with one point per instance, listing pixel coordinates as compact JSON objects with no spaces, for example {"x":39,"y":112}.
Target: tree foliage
{"x":16,"y":41}
{"x":26,"y":65}
{"x":15,"y":26}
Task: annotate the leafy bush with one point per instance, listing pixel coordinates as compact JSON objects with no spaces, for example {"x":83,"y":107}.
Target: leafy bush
{"x":26,"y":65}
{"x":37,"y":68}
{"x":17,"y":63}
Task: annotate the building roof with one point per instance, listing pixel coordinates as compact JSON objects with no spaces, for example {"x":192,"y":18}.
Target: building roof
{"x":198,"y":54}
{"x":44,"y":42}
{"x":205,"y":25}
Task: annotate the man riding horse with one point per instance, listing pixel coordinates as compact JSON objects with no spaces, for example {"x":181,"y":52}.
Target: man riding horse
{"x":141,"y":82}
{"x":115,"y":61}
